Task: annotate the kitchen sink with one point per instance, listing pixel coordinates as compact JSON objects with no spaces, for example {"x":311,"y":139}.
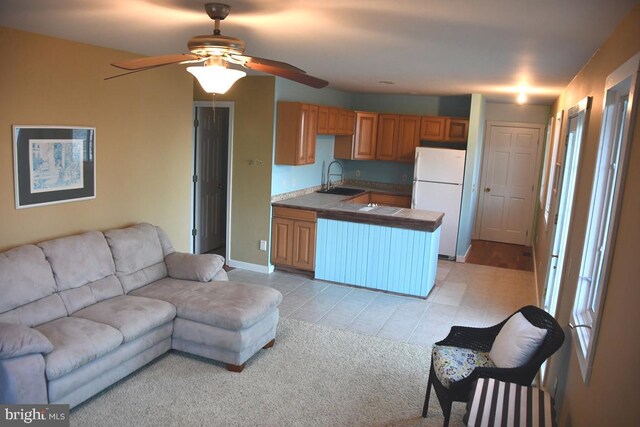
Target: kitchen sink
{"x":342,"y":191}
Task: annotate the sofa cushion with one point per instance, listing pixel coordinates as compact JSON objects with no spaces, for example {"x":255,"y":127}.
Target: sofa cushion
{"x":25,"y":277}
{"x":76,"y":342}
{"x":83,"y":268}
{"x":201,"y":268}
{"x":137,"y":254}
{"x":18,"y":340}
{"x":78,"y":260}
{"x":132,"y":316}
{"x":227,"y":305}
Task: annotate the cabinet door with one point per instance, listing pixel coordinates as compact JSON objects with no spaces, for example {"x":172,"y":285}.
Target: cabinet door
{"x":304,"y":245}
{"x":457,"y":130}
{"x":408,"y":138}
{"x":343,"y":123}
{"x":310,"y":134}
{"x":364,"y":147}
{"x":351,"y":123}
{"x":332,"y":127}
{"x":323,"y":120}
{"x":386,"y":145}
{"x":432,"y":128}
{"x":282,"y":241}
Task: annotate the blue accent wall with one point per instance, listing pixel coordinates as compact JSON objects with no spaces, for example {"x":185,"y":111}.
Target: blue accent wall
{"x":377,"y":257}
{"x":374,"y":170}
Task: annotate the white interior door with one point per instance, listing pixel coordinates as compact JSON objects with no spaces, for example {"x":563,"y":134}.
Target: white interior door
{"x":509,"y":180}
{"x":212,"y":137}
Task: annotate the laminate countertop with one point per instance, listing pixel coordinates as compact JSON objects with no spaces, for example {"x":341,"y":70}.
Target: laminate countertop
{"x":337,"y":207}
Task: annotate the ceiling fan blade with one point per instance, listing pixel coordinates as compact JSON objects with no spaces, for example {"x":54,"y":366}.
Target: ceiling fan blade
{"x":244,"y":59}
{"x":155,"y":61}
{"x":287,"y":73}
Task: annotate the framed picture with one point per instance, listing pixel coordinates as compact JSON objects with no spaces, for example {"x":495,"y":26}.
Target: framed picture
{"x":53,"y":164}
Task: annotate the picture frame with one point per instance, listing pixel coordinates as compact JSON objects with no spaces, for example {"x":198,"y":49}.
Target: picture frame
{"x":53,"y":164}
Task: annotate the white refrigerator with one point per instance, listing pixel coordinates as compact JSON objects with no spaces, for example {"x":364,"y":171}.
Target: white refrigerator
{"x":437,"y":186}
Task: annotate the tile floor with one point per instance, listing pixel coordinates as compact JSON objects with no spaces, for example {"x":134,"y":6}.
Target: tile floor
{"x":465,"y":294}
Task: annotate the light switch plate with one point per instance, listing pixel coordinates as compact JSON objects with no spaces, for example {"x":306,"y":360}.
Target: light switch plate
{"x":263,"y":245}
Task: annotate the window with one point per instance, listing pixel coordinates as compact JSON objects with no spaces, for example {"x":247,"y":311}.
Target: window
{"x":606,"y":196}
{"x":554,"y":166}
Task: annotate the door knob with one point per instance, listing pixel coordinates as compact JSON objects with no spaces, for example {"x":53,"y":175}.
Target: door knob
{"x":486,"y":190}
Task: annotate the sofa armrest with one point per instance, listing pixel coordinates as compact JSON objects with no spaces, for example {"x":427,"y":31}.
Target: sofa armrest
{"x":201,"y":268}
{"x":20,"y":340}
{"x":23,"y":380}
{"x":221,"y":276}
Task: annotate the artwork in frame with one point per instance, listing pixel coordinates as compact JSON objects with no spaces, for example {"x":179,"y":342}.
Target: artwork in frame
{"x":53,"y":164}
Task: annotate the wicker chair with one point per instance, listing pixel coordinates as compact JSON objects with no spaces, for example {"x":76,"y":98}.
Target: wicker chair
{"x":481,"y":339}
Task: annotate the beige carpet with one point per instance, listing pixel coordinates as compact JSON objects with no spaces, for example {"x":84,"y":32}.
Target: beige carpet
{"x":314,"y":376}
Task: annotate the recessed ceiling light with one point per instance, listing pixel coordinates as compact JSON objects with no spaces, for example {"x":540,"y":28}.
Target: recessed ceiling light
{"x":522,"y":98}
{"x":385,"y":82}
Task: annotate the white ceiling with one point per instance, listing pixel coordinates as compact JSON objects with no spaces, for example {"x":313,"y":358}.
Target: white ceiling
{"x":430,"y":47}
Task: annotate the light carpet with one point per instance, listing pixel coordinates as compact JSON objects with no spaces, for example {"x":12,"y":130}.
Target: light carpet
{"x":314,"y":376}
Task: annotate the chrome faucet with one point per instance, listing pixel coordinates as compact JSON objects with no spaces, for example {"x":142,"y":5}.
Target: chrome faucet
{"x":329,"y":174}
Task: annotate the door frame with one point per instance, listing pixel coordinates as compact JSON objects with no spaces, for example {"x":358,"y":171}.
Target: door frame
{"x":483,"y":172}
{"x":230,"y":105}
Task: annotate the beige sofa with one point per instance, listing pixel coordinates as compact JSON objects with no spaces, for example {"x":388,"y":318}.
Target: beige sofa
{"x":79,"y":313}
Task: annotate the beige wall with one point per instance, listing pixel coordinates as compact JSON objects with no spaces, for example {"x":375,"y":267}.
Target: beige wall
{"x":517,"y":113}
{"x":143,"y":137}
{"x":612,"y":395}
{"x":253,"y":139}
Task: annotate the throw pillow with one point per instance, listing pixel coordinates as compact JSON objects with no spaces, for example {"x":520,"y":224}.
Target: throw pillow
{"x":516,"y":342}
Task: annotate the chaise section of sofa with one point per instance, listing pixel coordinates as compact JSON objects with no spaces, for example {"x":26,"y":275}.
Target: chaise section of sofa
{"x":79,"y":313}
{"x":221,"y":320}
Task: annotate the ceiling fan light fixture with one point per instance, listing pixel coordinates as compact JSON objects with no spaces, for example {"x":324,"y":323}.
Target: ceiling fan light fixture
{"x":216,"y":78}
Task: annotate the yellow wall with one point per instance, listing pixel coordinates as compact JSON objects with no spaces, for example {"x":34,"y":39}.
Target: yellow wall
{"x":253,"y":139}
{"x":143,"y":137}
{"x":612,"y":395}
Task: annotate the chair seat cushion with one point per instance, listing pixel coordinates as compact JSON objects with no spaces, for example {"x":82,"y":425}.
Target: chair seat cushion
{"x":227,"y":305}
{"x":76,"y":342}
{"x":132,"y":316}
{"x":454,"y":363}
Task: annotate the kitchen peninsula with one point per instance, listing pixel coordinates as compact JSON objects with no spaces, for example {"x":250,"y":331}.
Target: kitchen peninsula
{"x":342,"y":240}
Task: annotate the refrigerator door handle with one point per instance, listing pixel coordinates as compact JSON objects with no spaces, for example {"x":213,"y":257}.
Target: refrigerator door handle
{"x":413,"y":196}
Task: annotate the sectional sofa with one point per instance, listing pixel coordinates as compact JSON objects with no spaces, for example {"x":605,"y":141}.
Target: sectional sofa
{"x":79,"y":313}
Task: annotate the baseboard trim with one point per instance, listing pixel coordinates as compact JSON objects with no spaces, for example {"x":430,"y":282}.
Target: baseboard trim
{"x":463,"y":258}
{"x":267,"y":269}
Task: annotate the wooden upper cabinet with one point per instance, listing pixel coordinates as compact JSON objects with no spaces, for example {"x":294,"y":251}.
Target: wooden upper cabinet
{"x":387,"y":143}
{"x":332,"y":128}
{"x":432,"y":128}
{"x":408,"y":138}
{"x":457,"y":130}
{"x":296,"y":127}
{"x":362,"y":145}
{"x":323,"y":120}
{"x":346,"y":122}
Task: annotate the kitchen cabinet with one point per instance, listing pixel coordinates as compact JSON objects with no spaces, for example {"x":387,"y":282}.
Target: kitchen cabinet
{"x":408,"y":138}
{"x":296,"y":127}
{"x":335,"y":121}
{"x":387,"y":143}
{"x":293,"y":239}
{"x":457,"y":130}
{"x":447,"y":129}
{"x":432,"y":128}
{"x":362,"y":145}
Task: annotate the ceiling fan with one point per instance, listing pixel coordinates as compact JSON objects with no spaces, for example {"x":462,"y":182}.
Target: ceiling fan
{"x":216,"y":52}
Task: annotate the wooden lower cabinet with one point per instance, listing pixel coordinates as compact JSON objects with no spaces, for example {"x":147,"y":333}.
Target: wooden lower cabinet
{"x":293,"y":238}
{"x":398,"y":201}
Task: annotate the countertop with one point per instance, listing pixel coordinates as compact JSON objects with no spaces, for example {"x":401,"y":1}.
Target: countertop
{"x":332,"y":206}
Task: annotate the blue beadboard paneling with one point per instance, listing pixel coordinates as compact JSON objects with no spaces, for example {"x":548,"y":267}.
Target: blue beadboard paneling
{"x":373,"y":256}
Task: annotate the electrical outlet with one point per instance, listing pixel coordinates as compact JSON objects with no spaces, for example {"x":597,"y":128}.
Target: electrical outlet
{"x":263,"y":245}
{"x":357,"y":172}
